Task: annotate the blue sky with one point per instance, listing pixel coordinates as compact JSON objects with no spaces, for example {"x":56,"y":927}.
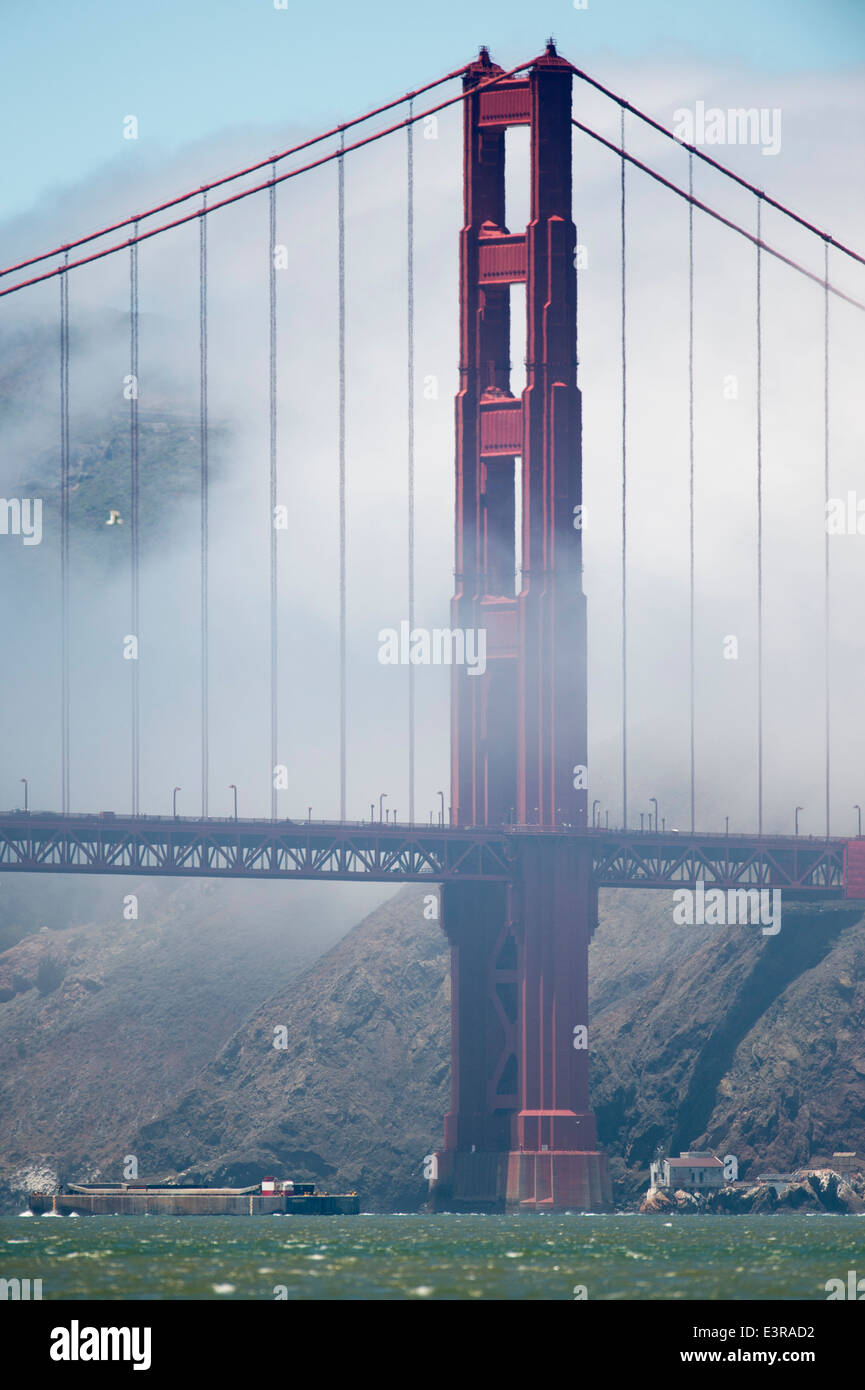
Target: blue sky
{"x":190,"y":68}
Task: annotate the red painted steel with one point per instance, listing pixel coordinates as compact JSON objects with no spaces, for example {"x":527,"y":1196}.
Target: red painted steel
{"x":508,"y":104}
{"x":501,"y":423}
{"x":520,"y":1132}
{"x":519,"y":732}
{"x":502,"y":258}
{"x":854,"y":869}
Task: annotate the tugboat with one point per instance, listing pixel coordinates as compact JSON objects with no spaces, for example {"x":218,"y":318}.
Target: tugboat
{"x":140,"y":1198}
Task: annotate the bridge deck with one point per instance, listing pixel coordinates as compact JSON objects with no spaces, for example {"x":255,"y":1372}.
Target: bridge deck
{"x":42,"y":842}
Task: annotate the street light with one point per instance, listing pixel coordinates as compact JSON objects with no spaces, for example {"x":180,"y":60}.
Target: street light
{"x":309,"y":815}
{"x":233,"y":788}
{"x":442,"y":818}
{"x":798,"y":809}
{"x":726,"y":825}
{"x":642,"y":818}
{"x":381,"y":802}
{"x":654,"y":801}
{"x":27,"y":793}
{"x":174,"y":800}
{"x":859,"y":809}
{"x":594,"y":818}
{"x":372,"y":812}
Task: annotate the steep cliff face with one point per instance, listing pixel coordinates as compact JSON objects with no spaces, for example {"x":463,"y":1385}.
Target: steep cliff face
{"x":795,"y":1084}
{"x":752,"y":1044}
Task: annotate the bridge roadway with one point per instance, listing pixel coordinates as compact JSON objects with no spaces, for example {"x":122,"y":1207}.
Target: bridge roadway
{"x":802,"y":867}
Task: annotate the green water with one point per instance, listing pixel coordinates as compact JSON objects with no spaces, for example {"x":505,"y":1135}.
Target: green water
{"x":433,"y":1257}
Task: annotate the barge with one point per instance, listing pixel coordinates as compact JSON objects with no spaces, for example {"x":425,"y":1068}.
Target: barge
{"x":270,"y":1197}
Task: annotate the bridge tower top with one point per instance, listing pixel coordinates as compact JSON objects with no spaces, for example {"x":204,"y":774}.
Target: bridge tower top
{"x":519,"y":730}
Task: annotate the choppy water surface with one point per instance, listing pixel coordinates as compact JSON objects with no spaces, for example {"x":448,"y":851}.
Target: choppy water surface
{"x":433,"y":1257}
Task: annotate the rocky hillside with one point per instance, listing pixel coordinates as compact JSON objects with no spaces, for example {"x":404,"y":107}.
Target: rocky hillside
{"x":355,"y":1099}
{"x":753,"y":1045}
{"x":126,"y":1039}
{"x":680,"y":1020}
{"x":105,"y":1021}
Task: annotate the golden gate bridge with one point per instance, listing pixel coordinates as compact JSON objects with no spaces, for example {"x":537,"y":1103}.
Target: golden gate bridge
{"x":520,"y":855}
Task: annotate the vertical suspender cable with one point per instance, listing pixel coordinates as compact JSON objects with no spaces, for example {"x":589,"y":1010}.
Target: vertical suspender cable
{"x":624,"y":505}
{"x":409,"y":130}
{"x":133,"y":508}
{"x":340,"y":164}
{"x":274,"y":627}
{"x":826,"y":512}
{"x":64,"y":539}
{"x":202,"y":352}
{"x":759,"y":522}
{"x":691,"y":472}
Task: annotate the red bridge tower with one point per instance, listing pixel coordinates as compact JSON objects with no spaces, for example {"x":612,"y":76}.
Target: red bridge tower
{"x":520,"y":1133}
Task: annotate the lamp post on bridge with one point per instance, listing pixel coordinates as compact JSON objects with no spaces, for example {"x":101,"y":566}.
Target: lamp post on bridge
{"x":442,"y":814}
{"x":796,"y":818}
{"x":174,"y":792}
{"x":233,"y":788}
{"x":859,"y":810}
{"x":654,"y":801}
{"x":27,"y":794}
{"x":594,"y":818}
{"x":381,"y":802}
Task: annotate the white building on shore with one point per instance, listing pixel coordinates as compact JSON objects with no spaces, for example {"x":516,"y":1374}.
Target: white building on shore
{"x":692,"y":1171}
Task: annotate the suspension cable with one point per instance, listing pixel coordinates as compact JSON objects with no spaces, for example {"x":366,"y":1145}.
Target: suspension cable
{"x":64,"y":541}
{"x":691,"y":478}
{"x":624,"y":500}
{"x":203,"y":428}
{"x":133,"y":517}
{"x":259,"y":187}
{"x":711,"y":212}
{"x":274,"y":624}
{"x":398,"y":101}
{"x":342,"y":586}
{"x":826,"y":589}
{"x":722,"y":168}
{"x":409,"y":131}
{"x":759,"y":522}
{"x":239,"y":174}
